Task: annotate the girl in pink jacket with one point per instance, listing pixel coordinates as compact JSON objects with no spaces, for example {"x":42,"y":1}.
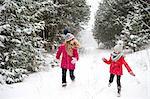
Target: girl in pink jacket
{"x":116,"y":61}
{"x":69,"y":53}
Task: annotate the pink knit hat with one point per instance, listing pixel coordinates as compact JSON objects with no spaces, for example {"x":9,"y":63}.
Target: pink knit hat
{"x":69,"y":37}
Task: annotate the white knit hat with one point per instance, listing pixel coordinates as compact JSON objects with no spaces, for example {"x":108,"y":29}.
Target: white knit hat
{"x":69,"y":37}
{"x":118,"y":48}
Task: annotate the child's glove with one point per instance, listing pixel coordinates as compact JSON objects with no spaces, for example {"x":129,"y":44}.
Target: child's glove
{"x":104,"y":59}
{"x":74,"y":60}
{"x":131,"y":73}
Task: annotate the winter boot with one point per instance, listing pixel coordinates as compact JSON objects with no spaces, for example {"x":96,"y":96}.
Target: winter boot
{"x":72,"y":78}
{"x":64,"y":84}
{"x":119,"y":91}
{"x":109,"y":84}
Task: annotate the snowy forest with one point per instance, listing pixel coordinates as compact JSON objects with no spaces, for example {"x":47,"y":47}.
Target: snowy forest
{"x":27,"y":26}
{"x":33,"y":31}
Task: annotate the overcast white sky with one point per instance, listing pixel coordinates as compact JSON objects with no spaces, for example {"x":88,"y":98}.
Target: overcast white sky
{"x":87,"y":38}
{"x":94,"y":6}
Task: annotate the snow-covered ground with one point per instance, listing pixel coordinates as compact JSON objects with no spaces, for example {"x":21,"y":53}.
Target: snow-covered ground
{"x":91,"y":82}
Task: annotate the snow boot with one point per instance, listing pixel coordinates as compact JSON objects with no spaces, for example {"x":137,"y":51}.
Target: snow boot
{"x":72,"y":78}
{"x":118,"y":94}
{"x":64,"y":84}
{"x":119,"y":91}
{"x":109,"y":84}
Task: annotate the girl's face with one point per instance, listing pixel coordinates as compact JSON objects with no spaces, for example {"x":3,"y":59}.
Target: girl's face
{"x":116,"y":52}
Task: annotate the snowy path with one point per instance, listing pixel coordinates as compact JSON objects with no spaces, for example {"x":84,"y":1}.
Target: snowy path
{"x":91,"y":82}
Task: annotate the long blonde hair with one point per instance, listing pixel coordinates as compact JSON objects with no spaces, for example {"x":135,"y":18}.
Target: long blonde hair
{"x":70,"y":45}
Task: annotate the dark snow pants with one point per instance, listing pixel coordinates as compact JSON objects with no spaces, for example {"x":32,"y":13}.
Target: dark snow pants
{"x":118,"y":80}
{"x":64,"y":72}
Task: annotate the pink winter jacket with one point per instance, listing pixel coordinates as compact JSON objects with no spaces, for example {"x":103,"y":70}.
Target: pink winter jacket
{"x":66,"y":59}
{"x":116,"y":67}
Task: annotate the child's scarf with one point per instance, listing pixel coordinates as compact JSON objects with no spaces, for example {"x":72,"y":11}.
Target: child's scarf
{"x":116,"y":56}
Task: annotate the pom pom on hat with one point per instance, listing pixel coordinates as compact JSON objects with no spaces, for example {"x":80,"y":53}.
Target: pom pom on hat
{"x":69,"y":37}
{"x":66,"y":31}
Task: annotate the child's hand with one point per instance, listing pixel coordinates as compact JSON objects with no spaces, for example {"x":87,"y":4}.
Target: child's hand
{"x":131,"y":73}
{"x":57,"y":60}
{"x":104,"y":59}
{"x":74,"y":60}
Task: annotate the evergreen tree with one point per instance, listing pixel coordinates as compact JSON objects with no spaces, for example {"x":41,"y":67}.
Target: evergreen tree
{"x":126,"y":20}
{"x":136,"y":28}
{"x":19,"y":55}
{"x":70,"y":14}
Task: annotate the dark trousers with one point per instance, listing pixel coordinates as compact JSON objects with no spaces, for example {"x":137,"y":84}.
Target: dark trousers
{"x":64,"y":72}
{"x":118,"y":80}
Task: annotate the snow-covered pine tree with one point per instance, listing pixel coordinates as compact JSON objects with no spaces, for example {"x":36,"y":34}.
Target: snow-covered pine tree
{"x":136,"y":32}
{"x":19,"y":55}
{"x":58,"y":14}
{"x":128,"y":20}
{"x":71,"y":14}
{"x":109,"y":21}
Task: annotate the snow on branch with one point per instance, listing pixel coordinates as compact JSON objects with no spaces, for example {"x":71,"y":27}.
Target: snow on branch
{"x":145,"y":24}
{"x":145,"y":2}
{"x":144,"y":8}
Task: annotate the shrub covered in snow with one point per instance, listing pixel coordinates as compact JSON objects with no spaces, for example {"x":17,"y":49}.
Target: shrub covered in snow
{"x":12,"y":75}
{"x":18,"y":41}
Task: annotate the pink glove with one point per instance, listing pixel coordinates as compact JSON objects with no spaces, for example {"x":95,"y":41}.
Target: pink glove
{"x":74,"y":60}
